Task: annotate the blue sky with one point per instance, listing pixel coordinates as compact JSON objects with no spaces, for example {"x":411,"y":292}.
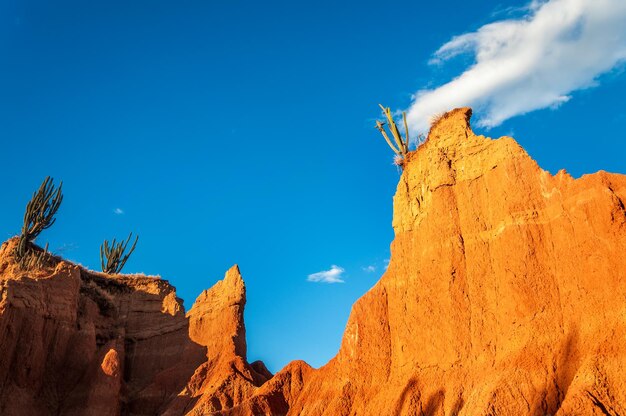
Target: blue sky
{"x":242,"y":132}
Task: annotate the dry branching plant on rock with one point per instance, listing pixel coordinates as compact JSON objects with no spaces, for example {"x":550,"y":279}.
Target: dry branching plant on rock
{"x":36,"y":258}
{"x":112,"y":257}
{"x":39,"y":215}
{"x":401,"y":145}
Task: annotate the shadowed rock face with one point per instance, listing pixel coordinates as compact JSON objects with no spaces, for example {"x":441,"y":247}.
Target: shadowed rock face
{"x":75,"y":342}
{"x":505,"y":295}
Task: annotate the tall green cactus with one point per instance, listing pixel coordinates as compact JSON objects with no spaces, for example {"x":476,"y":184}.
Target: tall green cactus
{"x":401,"y":145}
{"x":112,"y":257}
{"x":40,"y":212}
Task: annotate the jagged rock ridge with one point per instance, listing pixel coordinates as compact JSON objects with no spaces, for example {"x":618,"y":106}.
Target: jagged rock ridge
{"x":505,"y":295}
{"x":76,"y":342}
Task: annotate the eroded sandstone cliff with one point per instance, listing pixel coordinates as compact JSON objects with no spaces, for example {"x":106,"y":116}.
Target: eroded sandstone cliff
{"x":505,"y":295}
{"x":76,"y":342}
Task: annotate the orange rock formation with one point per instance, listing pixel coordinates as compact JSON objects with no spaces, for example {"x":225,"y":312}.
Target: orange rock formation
{"x":505,"y":295}
{"x":75,"y":342}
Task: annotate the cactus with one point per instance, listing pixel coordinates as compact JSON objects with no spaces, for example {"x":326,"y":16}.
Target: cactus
{"x":112,"y":257}
{"x":39,"y":215}
{"x":401,"y":145}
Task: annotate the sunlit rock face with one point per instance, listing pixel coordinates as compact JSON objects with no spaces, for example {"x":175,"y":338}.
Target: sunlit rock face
{"x":505,"y":295}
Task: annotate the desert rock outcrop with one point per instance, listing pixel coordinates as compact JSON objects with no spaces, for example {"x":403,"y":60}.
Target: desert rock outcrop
{"x":505,"y":295}
{"x":76,"y":342}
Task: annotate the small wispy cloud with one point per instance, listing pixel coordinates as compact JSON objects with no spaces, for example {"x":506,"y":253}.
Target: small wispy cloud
{"x":118,"y":211}
{"x":369,"y":269}
{"x":528,"y":63}
{"x":334,"y":275}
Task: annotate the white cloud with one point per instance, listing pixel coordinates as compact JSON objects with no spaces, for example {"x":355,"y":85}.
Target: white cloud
{"x":529,"y":63}
{"x":334,"y":275}
{"x":118,"y":211}
{"x":369,"y":269}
